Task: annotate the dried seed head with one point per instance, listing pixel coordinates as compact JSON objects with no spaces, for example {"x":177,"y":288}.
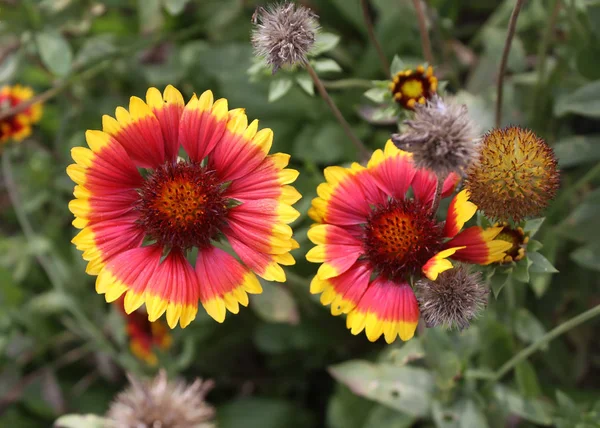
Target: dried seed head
{"x":283,"y":34}
{"x":441,"y":137}
{"x":456,"y":297}
{"x":159,"y":403}
{"x":516,"y":175}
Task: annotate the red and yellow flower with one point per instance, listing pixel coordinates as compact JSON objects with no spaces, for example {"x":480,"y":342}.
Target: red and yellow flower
{"x":18,"y":126}
{"x":372,"y":240}
{"x":412,"y":87}
{"x":141,"y":208}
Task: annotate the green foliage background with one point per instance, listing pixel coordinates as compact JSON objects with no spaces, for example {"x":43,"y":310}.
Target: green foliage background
{"x":285,"y":361}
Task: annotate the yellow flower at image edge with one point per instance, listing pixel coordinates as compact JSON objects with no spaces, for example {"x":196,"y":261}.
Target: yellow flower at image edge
{"x":17,"y":127}
{"x":138,"y":228}
{"x":412,"y":87}
{"x":516,"y":175}
{"x":372,"y":238}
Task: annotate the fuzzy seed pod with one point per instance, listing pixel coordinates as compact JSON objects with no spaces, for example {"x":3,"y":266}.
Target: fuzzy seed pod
{"x":456,"y":297}
{"x":159,"y":403}
{"x":283,"y":34}
{"x":441,"y":136}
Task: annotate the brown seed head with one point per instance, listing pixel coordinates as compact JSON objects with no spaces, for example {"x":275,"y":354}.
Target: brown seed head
{"x":284,"y":33}
{"x":441,"y":137}
{"x":456,"y":297}
{"x":516,"y":174}
{"x":160,"y":403}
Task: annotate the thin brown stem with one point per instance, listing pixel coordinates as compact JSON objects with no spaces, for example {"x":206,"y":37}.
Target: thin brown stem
{"x":371,"y":31}
{"x":437,"y":197}
{"x":425,"y":41}
{"x":512,"y":25}
{"x":362,"y":149}
{"x":44,"y":96}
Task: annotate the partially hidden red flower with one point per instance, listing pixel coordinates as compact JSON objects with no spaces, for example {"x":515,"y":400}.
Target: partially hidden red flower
{"x":373,"y":240}
{"x":17,"y":127}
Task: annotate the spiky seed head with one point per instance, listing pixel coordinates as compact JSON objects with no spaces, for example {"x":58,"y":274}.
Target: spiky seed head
{"x":456,"y":297}
{"x":441,"y":136}
{"x":515,"y":176}
{"x":283,"y":34}
{"x":160,"y":403}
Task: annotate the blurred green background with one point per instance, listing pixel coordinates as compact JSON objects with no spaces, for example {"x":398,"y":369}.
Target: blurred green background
{"x":285,"y":361}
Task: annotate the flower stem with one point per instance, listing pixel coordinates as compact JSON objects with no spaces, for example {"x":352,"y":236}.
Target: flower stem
{"x":371,"y":31}
{"x":45,"y":262}
{"x":553,"y":334}
{"x":425,"y":41}
{"x":437,"y":196}
{"x":512,"y":25}
{"x":362,"y":149}
{"x":347,"y":83}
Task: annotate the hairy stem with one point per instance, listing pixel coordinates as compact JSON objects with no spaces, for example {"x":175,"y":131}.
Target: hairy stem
{"x":362,"y":149}
{"x":425,"y":41}
{"x":512,"y":25}
{"x":371,"y":31}
{"x":553,"y":334}
{"x":347,"y":83}
{"x":437,"y":196}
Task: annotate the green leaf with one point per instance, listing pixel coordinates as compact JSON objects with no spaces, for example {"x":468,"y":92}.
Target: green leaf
{"x":384,"y":417}
{"x":498,"y":281}
{"x":471,"y":415}
{"x":541,"y":264}
{"x":587,"y":256}
{"x":577,"y":149}
{"x":81,"y":421}
{"x":521,"y":270}
{"x":533,"y":226}
{"x":325,"y":143}
{"x":279,"y":87}
{"x":376,"y":94}
{"x":527,"y":379}
{"x":406,"y":389}
{"x":55,"y":52}
{"x":150,"y":15}
{"x":306,"y":83}
{"x":326,"y":66}
{"x":397,"y":65}
{"x":175,"y":7}
{"x":50,"y":302}
{"x":527,"y":327}
{"x":324,"y":42}
{"x":262,"y":413}
{"x":275,"y":304}
{"x":95,"y":48}
{"x":532,"y":410}
{"x":585,"y":101}
{"x":534,"y":245}
{"x":408,"y":352}
{"x":347,"y":410}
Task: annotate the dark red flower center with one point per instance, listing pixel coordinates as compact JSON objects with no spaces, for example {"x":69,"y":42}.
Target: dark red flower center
{"x":182,"y":205}
{"x":400,"y":237}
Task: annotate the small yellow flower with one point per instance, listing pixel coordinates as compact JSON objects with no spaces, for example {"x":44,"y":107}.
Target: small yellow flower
{"x":517,"y":238}
{"x":410,"y":87}
{"x":516,"y":175}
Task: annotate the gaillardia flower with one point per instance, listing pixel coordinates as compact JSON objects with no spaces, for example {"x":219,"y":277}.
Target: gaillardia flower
{"x":456,"y":297}
{"x":441,"y":137}
{"x":284,"y":33}
{"x":373,"y":240}
{"x":516,"y":174}
{"x":160,"y":403}
{"x":17,"y":127}
{"x":518,"y":240}
{"x":412,"y":87}
{"x":145,"y":336}
{"x":141,"y":208}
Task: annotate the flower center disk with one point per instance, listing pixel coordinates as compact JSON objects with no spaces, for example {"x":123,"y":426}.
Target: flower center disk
{"x":182,"y":205}
{"x":400,"y":237}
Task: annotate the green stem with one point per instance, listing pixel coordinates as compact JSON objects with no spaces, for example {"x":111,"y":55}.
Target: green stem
{"x":47,"y":264}
{"x":371,"y":32}
{"x":566,"y":194}
{"x":553,"y":334}
{"x":347,"y":83}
